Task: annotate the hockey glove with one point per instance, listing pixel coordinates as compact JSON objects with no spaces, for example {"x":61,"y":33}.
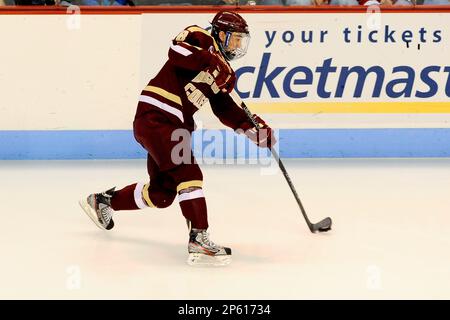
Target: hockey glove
{"x":264,"y":137}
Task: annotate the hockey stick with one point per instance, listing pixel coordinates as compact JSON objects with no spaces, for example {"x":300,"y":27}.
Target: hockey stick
{"x":321,"y":226}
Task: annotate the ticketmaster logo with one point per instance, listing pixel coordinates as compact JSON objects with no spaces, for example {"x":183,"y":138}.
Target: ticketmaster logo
{"x":332,"y":81}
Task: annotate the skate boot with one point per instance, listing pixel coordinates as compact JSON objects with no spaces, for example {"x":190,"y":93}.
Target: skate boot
{"x":98,"y":207}
{"x":204,"y":252}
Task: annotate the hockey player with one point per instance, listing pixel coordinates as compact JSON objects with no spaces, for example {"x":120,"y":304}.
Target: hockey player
{"x":197,"y":71}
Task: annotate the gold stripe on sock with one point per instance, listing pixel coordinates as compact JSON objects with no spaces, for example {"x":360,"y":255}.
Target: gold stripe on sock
{"x":146,"y":196}
{"x":188,"y":184}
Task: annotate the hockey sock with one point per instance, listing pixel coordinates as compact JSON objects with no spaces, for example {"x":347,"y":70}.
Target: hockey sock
{"x":193,"y":207}
{"x":125,"y":199}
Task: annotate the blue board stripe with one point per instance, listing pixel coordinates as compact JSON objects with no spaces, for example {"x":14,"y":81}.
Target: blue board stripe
{"x":294,"y":143}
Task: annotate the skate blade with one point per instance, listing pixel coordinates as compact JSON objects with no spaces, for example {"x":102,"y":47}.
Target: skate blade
{"x":90,"y":212}
{"x":203,"y":260}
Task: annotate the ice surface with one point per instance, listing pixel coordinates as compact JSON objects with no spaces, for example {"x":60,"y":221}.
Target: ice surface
{"x":390,"y":237}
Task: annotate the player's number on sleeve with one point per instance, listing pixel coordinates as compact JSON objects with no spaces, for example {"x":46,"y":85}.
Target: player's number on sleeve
{"x":182,"y":36}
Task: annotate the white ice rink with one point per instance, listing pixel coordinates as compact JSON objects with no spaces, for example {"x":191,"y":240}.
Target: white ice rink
{"x":390,"y":238}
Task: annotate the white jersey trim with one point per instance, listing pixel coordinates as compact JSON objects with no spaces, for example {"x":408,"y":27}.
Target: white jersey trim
{"x":177,"y":113}
{"x":181,"y":50}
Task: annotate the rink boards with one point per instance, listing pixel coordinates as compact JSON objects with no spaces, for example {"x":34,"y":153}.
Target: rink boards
{"x":333,"y":84}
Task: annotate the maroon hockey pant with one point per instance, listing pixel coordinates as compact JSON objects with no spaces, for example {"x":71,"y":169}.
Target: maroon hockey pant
{"x":168,"y":177}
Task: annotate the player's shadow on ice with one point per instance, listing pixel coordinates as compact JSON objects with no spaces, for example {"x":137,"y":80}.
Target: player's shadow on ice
{"x":149,"y":251}
{"x":155,"y":252}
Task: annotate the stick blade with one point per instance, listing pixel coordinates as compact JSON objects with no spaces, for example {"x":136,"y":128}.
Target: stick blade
{"x":322,"y":226}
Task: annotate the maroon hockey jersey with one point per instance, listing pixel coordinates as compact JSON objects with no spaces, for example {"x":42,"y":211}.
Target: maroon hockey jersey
{"x":183,"y":86}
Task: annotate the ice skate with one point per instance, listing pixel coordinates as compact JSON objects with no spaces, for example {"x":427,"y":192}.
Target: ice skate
{"x":98,"y":207}
{"x":204,"y":252}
